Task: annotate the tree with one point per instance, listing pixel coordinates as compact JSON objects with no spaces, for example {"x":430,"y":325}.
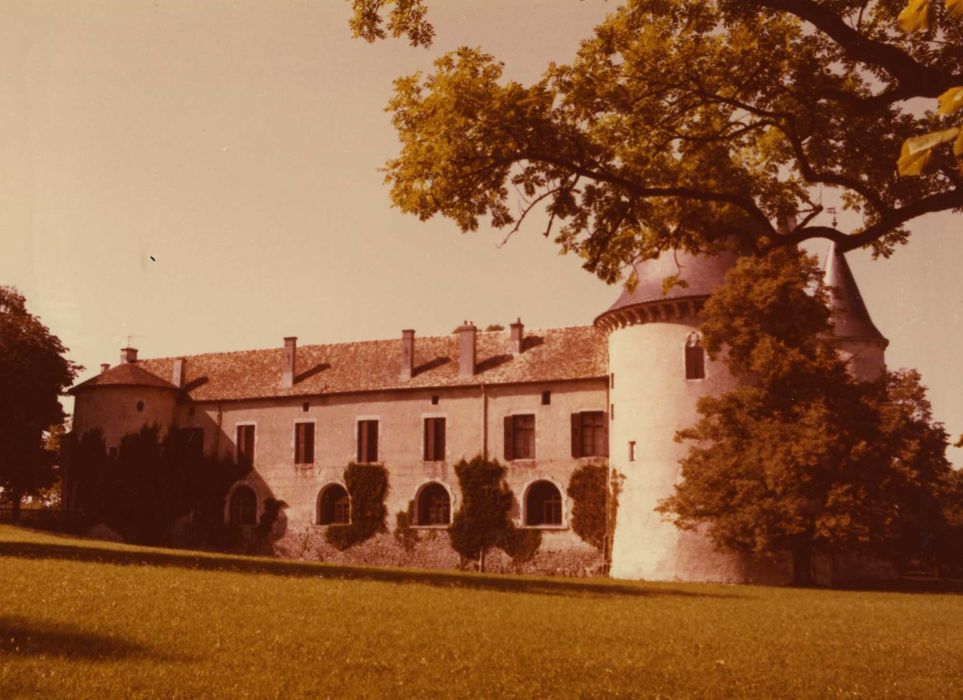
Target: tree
{"x":151,"y":482}
{"x":681,"y":122}
{"x":801,"y":457}
{"x":33,"y":375}
{"x":482,"y":522}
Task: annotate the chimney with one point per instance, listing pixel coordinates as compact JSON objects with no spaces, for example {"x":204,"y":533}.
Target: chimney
{"x":104,"y":366}
{"x":518,"y":337}
{"x":178,"y":375}
{"x":290,"y":360}
{"x":128,"y":355}
{"x":466,"y":349}
{"x":407,"y":354}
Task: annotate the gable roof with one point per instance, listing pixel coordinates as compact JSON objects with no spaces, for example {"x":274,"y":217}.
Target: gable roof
{"x":553,"y":354}
{"x":127,"y":374}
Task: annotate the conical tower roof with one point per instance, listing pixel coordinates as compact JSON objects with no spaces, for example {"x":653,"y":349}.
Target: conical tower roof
{"x":699,"y":276}
{"x":850,"y":316}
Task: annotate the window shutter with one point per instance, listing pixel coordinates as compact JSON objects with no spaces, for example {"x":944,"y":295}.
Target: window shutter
{"x":362,"y":442}
{"x":440,"y":438}
{"x":429,"y":439}
{"x":605,"y":437}
{"x":309,"y":443}
{"x":509,"y":439}
{"x":576,"y":434}
{"x":373,"y":441}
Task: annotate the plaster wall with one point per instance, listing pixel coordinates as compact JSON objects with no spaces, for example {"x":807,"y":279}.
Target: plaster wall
{"x":866,"y":358}
{"x":400,"y":417}
{"x":651,"y":400}
{"x":113,"y":409}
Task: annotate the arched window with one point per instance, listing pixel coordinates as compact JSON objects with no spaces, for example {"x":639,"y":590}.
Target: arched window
{"x":433,"y":505}
{"x":543,"y":504}
{"x":243,"y":506}
{"x":695,"y":357}
{"x":334,"y":506}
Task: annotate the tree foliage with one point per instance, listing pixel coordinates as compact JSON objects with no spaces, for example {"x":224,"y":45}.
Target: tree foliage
{"x":33,"y":375}
{"x":588,"y":488}
{"x":680,"y":122}
{"x":801,"y":457}
{"x":151,"y":482}
{"x":483,"y":520}
{"x":367,"y":486}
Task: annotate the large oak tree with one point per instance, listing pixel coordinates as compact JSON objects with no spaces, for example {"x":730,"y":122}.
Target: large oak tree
{"x":682,"y":121}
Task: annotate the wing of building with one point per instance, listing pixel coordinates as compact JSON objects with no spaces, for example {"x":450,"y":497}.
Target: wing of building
{"x":544,"y":402}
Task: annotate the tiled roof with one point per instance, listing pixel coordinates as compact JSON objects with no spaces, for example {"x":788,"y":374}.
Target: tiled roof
{"x":699,"y":274}
{"x":552,"y":354}
{"x":126,"y":375}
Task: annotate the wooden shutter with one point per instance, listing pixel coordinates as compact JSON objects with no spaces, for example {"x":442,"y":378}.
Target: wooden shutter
{"x":509,"y":439}
{"x":362,"y":441}
{"x":605,"y":435}
{"x":307,"y":449}
{"x":440,"y":438}
{"x":372,"y":441}
{"x":576,"y":435}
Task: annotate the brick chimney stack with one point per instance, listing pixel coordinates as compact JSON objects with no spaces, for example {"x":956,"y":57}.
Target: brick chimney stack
{"x":407,"y":354}
{"x":466,"y":349}
{"x":128,"y":355}
{"x":104,"y":366}
{"x":290,"y":362}
{"x":178,"y":375}
{"x":518,"y":337}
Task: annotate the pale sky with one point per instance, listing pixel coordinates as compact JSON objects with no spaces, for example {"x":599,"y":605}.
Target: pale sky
{"x":238,"y":143}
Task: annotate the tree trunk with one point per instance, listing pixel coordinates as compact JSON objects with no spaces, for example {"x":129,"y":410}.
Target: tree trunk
{"x":481,"y":561}
{"x":802,"y":565}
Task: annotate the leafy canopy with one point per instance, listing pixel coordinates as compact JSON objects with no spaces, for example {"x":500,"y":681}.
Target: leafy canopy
{"x":680,"y":122}
{"x":33,"y":375}
{"x":800,"y":456}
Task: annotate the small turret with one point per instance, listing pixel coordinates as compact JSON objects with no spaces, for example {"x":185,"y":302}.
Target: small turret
{"x":859,"y":340}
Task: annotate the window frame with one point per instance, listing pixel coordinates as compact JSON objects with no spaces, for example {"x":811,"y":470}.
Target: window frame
{"x":600,"y":431}
{"x":313,"y":444}
{"x":430,"y":449}
{"x":365,"y":441}
{"x":694,"y":364}
{"x":318,"y":504}
{"x":419,"y":494}
{"x":238,"y":452}
{"x":527,"y":514}
{"x":511,"y":433}
{"x":230,"y":504}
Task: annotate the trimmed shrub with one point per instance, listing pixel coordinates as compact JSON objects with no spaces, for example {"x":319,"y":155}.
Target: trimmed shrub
{"x":587,"y":489}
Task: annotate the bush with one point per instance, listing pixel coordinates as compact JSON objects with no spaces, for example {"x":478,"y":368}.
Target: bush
{"x":482,"y":521}
{"x":587,"y":489}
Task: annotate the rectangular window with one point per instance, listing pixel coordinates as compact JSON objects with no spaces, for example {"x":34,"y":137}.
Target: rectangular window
{"x":590,"y":435}
{"x":434,"y":439}
{"x":304,"y":443}
{"x":367,"y":441}
{"x":245,"y":444}
{"x":695,"y":362}
{"x":546,"y":398}
{"x":631,"y":450}
{"x":520,"y":437}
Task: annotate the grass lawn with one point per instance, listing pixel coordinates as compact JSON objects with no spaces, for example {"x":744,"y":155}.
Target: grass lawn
{"x":80,"y":618}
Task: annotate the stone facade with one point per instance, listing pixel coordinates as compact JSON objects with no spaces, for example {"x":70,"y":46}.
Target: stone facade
{"x":635,"y":377}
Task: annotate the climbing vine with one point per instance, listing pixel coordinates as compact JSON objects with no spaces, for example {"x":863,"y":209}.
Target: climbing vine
{"x":367,"y":486}
{"x":587,"y":489}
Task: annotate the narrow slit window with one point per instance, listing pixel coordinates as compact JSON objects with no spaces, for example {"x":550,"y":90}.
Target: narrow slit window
{"x":695,"y":358}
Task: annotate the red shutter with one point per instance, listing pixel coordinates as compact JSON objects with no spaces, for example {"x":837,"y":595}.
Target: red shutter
{"x":509,"y":439}
{"x":576,"y":435}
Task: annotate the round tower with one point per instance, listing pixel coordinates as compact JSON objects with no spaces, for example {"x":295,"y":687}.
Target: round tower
{"x":859,"y":341}
{"x":658,"y":372}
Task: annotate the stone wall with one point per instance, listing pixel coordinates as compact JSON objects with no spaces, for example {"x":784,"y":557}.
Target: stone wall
{"x":431,"y":549}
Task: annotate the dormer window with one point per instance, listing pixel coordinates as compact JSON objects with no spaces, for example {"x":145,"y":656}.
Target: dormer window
{"x":695,"y":357}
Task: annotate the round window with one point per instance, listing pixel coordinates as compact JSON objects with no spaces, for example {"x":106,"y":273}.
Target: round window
{"x":140,"y":406}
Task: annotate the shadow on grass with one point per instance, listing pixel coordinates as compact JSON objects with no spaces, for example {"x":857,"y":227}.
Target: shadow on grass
{"x":22,"y":637}
{"x":445,"y":579}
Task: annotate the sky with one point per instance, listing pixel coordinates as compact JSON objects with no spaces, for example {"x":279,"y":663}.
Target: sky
{"x":204,"y":176}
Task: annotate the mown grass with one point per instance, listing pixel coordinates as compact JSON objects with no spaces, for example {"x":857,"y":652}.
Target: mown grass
{"x":89,"y":619}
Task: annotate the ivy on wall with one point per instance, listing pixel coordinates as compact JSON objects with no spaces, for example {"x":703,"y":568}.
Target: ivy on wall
{"x":404,"y":533}
{"x":367,"y":486}
{"x":595,"y":502}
